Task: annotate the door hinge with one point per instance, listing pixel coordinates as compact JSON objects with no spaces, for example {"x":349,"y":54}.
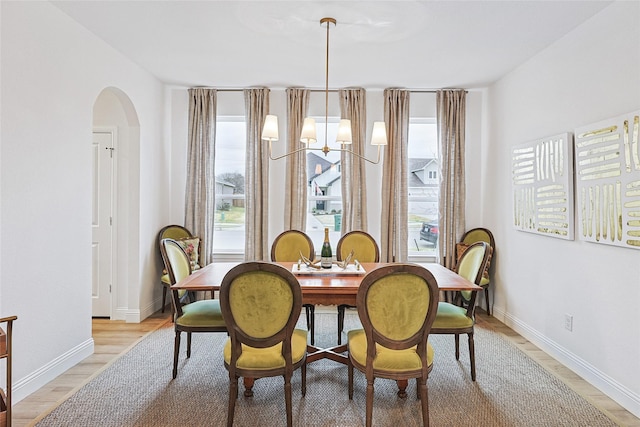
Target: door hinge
{"x":109,"y":288}
{"x":110,"y":220}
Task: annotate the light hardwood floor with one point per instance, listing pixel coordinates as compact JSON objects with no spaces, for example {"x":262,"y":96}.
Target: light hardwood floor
{"x":112,"y":338}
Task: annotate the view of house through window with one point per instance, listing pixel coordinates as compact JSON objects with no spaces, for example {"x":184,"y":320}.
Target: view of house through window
{"x":324,"y":192}
{"x":229,"y":233}
{"x":423,"y":187}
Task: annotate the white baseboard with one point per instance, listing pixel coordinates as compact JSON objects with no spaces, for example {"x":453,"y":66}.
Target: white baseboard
{"x":603,"y":382}
{"x":34,"y":381}
{"x":129,"y":316}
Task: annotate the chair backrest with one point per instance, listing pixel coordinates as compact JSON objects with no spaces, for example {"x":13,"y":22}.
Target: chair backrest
{"x":260,"y":304}
{"x":397,"y":305}
{"x":178,"y":266}
{"x":191,"y":244}
{"x":472,"y":263}
{"x":176,"y":261}
{"x":174,"y":232}
{"x":479,"y":235}
{"x":471,"y":266}
{"x":364,"y":246}
{"x":288,"y":245}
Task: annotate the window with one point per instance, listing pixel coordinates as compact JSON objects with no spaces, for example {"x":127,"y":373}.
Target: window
{"x":229,"y":226}
{"x":324,"y":186}
{"x":423,"y":187}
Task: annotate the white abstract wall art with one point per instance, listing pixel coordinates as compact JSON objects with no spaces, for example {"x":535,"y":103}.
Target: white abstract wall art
{"x":607,"y":160}
{"x":542,"y":174}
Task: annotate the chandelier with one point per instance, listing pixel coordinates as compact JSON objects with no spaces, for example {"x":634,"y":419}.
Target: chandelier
{"x":308,"y":134}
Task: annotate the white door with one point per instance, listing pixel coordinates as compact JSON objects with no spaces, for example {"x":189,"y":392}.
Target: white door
{"x":101,"y":224}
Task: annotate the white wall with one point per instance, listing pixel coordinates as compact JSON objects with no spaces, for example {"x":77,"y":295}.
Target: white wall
{"x":591,"y":74}
{"x":52,"y":73}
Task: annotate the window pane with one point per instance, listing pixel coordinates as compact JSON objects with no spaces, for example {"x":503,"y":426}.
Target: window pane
{"x":229,"y":233}
{"x":423,"y":185}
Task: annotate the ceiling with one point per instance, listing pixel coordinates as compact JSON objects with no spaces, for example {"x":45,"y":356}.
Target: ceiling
{"x":375,"y":44}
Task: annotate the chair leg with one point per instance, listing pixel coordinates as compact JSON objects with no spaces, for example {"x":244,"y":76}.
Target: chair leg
{"x":472,"y":356}
{"x":188,"y":345}
{"x":164,"y":296}
{"x":310,"y":309}
{"x":457,"y":338}
{"x":173,"y":309}
{"x":307,"y":313}
{"x":233,"y":396}
{"x":341,"y":310}
{"x":350,"y":369}
{"x":303,"y":372}
{"x":424,"y":397}
{"x":369,"y":410}
{"x":176,"y":350}
{"x":287,"y":399}
{"x":486,"y":298}
{"x":457,"y":299}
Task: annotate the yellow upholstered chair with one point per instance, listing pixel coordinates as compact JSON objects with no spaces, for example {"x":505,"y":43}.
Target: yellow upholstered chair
{"x":365,"y":249}
{"x":189,"y":242}
{"x":199,"y":316}
{"x":479,"y":235}
{"x":456,"y":320}
{"x":397,"y":305}
{"x":261,"y":303}
{"x":287,"y":247}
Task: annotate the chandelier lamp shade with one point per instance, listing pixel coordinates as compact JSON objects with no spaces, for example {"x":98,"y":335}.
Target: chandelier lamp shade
{"x":308,"y":135}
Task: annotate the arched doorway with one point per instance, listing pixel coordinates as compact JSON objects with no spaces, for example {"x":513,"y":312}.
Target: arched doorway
{"x":116,"y":164}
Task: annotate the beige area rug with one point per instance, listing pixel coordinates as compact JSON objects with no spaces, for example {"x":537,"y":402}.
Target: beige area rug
{"x":137,"y":390}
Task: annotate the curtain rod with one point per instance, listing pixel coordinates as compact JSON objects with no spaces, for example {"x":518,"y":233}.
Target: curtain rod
{"x":330,"y":90}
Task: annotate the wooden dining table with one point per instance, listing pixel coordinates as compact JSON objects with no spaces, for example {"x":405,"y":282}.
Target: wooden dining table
{"x":320,"y":288}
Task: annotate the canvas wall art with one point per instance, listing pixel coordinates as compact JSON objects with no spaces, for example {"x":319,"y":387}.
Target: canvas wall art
{"x":542,"y":174}
{"x":607,"y":160}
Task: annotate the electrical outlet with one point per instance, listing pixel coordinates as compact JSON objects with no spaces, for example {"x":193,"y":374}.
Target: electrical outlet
{"x":568,"y":322}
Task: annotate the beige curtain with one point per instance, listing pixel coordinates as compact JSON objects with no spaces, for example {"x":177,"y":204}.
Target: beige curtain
{"x":200,"y":189}
{"x":256,"y":246}
{"x":394,"y":217}
{"x":295,"y":199}
{"x":354,"y":183}
{"x":450,"y":110}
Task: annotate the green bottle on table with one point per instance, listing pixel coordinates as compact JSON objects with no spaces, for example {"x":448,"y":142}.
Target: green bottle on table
{"x":325,"y":254}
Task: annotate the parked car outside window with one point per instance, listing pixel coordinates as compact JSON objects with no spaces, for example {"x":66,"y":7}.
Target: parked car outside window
{"x":429,"y":232}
